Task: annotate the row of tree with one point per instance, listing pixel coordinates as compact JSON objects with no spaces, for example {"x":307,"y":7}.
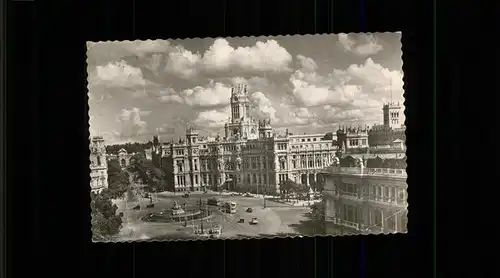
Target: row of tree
{"x":129,"y":147}
{"x":106,"y":223}
{"x":288,"y":186}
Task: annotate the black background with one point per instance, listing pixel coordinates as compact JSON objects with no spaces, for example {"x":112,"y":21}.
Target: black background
{"x":47,"y":129}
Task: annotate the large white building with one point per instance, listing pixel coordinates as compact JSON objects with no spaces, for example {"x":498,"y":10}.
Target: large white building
{"x":250,"y":155}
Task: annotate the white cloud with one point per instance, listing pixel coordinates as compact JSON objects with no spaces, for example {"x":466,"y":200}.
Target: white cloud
{"x":148,"y":46}
{"x":306,"y":63}
{"x":264,"y":56}
{"x":221,"y":56}
{"x":343,"y":95}
{"x":306,"y":94}
{"x":182,"y":62}
{"x":214,"y":94}
{"x":262,"y":107}
{"x":117,"y":74}
{"x":362,"y":45}
{"x":213,"y":118}
{"x":299,"y":116}
{"x":131,"y":123}
{"x":380,"y":80}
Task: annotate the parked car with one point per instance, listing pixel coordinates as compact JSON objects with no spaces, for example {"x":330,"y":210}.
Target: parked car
{"x":121,"y":214}
{"x":241,"y":220}
{"x":247,"y":195}
{"x":150,"y":206}
{"x":138,"y":207}
{"x":249,"y":210}
{"x":254,"y":221}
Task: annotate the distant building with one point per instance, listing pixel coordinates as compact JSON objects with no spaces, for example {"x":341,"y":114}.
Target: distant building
{"x":367,"y":197}
{"x":383,"y":138}
{"x":251,"y":155}
{"x":123,"y":157}
{"x":98,"y":164}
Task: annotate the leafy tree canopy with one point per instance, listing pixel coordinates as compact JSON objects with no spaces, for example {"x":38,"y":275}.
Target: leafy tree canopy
{"x":318,"y":185}
{"x":318,"y":213}
{"x":106,"y":223}
{"x":129,"y":147}
{"x":288,"y":186}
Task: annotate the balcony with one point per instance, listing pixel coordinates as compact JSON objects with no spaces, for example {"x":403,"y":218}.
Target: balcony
{"x":349,"y":224}
{"x":367,"y":171}
{"x":377,"y":200}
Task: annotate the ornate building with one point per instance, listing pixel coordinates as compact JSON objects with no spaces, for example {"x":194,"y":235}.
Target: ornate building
{"x":123,"y":157}
{"x":98,"y":164}
{"x":251,"y":155}
{"x":362,"y":199}
{"x":388,"y":136}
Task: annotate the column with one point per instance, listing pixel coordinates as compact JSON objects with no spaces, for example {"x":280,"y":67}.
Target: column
{"x":370,"y":217}
{"x":396,"y":222}
{"x":382,"y":215}
{"x":362,"y":217}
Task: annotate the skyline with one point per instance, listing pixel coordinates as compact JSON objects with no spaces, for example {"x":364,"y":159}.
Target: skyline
{"x":308,"y":84}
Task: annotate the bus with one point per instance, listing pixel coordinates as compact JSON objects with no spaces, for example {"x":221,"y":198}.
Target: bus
{"x":230,"y":207}
{"x":214,"y":202}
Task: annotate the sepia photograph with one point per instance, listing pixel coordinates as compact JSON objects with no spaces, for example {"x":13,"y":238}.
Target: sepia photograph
{"x":247,"y":137}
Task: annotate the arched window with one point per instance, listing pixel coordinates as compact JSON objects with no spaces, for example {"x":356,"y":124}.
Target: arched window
{"x":123,"y":162}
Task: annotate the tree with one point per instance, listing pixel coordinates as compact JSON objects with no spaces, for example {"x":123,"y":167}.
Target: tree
{"x":118,"y":185}
{"x":288,"y":186}
{"x":317,"y":214}
{"x":118,"y":180}
{"x":105,"y":221}
{"x":148,"y":174}
{"x":318,"y":185}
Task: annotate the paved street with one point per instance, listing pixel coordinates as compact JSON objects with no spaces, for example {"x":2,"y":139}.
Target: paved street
{"x":274,"y":219}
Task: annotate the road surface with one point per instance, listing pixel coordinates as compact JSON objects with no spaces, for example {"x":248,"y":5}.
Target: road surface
{"x":274,"y":219}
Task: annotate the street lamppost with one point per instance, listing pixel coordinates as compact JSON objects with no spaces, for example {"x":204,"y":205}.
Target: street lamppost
{"x":265,"y":193}
{"x":202,"y":216}
{"x":185,"y":216}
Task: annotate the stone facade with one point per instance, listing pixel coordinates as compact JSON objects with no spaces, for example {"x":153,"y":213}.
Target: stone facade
{"x":98,"y":164}
{"x":123,"y":157}
{"x":251,"y":155}
{"x":366,"y":200}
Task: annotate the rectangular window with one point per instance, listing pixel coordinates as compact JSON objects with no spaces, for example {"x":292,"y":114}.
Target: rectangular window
{"x":196,"y":165}
{"x":195,"y":179}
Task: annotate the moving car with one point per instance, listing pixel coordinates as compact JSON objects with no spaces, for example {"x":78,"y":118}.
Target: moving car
{"x":249,"y":210}
{"x":186,"y":195}
{"x":241,"y":220}
{"x":254,"y":221}
{"x":138,"y":207}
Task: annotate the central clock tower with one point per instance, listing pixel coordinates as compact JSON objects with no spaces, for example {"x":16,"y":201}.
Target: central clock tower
{"x":241,"y":123}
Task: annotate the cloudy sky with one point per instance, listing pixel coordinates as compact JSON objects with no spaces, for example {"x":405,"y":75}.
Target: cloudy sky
{"x":303,"y":83}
